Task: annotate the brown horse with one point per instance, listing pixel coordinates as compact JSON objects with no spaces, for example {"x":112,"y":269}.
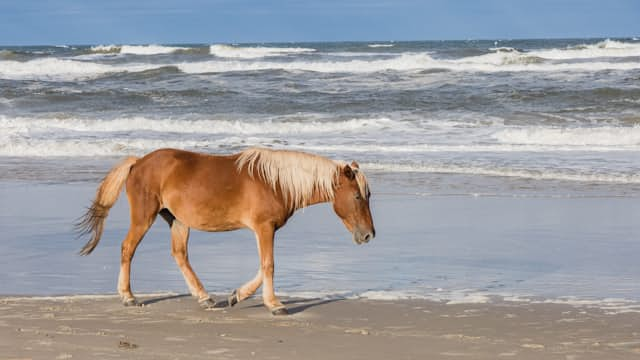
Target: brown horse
{"x":257,"y":189}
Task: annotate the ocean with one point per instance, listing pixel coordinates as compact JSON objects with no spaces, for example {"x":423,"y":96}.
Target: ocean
{"x":510,"y":124}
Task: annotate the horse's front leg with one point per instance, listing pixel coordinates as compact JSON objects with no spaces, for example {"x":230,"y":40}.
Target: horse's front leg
{"x":265,"y":236}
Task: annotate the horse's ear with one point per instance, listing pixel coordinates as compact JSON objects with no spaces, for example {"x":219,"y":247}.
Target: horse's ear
{"x":355,"y":165}
{"x":348,"y":172}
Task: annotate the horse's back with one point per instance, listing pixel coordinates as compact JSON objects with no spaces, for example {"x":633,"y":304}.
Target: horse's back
{"x":203,"y":191}
{"x":172,"y":167}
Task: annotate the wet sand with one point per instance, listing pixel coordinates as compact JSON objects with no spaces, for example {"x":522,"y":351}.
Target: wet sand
{"x":174,"y":327}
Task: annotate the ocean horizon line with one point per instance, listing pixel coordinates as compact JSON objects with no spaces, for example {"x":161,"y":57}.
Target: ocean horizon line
{"x":346,"y":41}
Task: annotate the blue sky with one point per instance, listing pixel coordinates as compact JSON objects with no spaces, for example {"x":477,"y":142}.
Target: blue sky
{"x":26,"y":22}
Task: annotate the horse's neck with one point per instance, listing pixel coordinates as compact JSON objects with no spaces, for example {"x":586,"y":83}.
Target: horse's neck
{"x":318,"y":197}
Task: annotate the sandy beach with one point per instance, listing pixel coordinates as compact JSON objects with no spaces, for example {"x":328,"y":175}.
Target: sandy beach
{"x":174,"y":327}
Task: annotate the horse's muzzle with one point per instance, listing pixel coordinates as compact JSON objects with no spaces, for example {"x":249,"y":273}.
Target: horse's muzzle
{"x":363,"y":237}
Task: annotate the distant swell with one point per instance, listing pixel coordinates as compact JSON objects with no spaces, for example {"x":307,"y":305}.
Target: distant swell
{"x":136,"y":49}
{"x":260,"y":59}
{"x":247,"y":52}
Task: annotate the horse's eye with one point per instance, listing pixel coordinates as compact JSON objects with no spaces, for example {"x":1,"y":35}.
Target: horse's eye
{"x":358,"y":197}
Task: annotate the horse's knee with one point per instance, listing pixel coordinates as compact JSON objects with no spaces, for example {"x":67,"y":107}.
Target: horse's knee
{"x":126,"y":253}
{"x":267,"y":268}
{"x":179,"y":255}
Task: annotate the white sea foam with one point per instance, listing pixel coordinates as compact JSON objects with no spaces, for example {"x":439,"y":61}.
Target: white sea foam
{"x":388,"y":295}
{"x":606,"y":48}
{"x":68,"y":298}
{"x":533,"y":174}
{"x":105,"y":49}
{"x":470,"y":299}
{"x":38,"y":125}
{"x":494,"y":62}
{"x":418,"y":148}
{"x":497,"y":62}
{"x":450,"y":297}
{"x":603,"y":49}
{"x":118,"y":146}
{"x":36,"y":137}
{"x":503,"y":49}
{"x":623,"y":137}
{"x":403,"y":62}
{"x":380,"y":45}
{"x":611,"y":306}
{"x":246,"y":52}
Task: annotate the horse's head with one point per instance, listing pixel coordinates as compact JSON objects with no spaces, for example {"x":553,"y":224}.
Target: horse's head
{"x":351,"y":203}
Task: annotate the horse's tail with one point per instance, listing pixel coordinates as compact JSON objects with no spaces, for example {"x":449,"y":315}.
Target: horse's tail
{"x":92,"y":222}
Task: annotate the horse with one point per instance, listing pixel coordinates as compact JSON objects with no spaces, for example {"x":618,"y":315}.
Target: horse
{"x":258,"y":189}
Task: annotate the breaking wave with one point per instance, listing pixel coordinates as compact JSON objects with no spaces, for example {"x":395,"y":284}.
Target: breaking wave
{"x":411,"y":62}
{"x":63,"y":69}
{"x":606,"y":48}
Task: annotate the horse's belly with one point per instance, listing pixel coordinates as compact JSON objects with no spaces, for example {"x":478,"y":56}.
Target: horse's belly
{"x":221,"y":226}
{"x":210,"y":219}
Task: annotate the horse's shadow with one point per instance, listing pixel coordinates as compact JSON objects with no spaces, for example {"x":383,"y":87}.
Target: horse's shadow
{"x":302,"y":305}
{"x":163,"y":298}
{"x":294,"y":306}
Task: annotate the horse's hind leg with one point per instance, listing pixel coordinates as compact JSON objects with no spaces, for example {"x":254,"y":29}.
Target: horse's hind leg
{"x":179,"y":242}
{"x":143,"y":209}
{"x":247,"y":289}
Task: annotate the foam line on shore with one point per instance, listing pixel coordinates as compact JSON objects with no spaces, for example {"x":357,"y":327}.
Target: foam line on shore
{"x":611,"y":306}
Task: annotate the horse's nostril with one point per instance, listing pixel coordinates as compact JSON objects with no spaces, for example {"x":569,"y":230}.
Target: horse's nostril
{"x":367,"y":237}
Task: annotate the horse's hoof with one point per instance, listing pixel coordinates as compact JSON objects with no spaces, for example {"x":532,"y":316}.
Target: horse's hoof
{"x":279,"y":311}
{"x":207,"y":303}
{"x":130,"y":302}
{"x":233,"y":298}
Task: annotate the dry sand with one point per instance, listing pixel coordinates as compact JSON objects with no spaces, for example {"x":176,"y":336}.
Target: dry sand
{"x":174,"y":327}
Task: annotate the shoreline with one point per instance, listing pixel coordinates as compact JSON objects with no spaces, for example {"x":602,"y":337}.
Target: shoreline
{"x":609,"y":306}
{"x":429,"y":247}
{"x":173,"y":326}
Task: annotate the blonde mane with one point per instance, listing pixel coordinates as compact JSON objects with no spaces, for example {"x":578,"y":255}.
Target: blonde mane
{"x":297,"y":175}
{"x":363,"y":185}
